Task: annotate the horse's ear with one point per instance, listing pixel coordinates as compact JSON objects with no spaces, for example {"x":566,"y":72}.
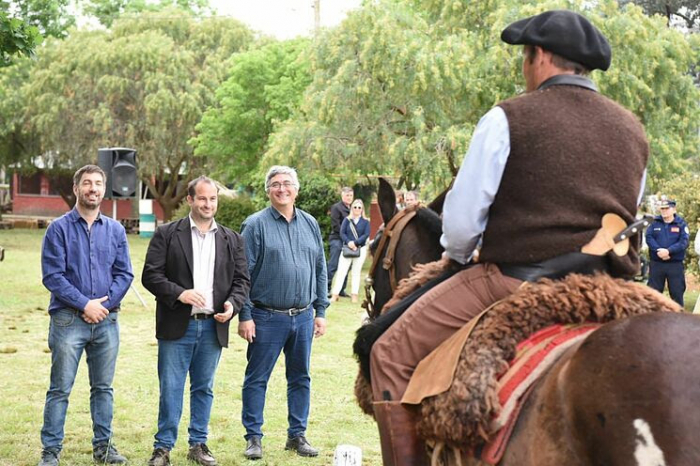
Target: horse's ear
{"x":438,"y":202}
{"x":387,"y":200}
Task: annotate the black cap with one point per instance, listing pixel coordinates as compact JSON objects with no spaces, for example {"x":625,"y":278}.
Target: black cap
{"x":666,"y":203}
{"x":565,"y":33}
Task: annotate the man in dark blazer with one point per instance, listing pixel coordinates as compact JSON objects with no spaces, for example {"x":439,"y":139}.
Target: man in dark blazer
{"x":198,"y":272}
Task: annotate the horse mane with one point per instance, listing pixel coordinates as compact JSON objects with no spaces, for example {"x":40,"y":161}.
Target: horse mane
{"x":430,"y":219}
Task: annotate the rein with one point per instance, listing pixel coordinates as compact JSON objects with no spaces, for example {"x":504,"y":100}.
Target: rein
{"x":391,"y":235}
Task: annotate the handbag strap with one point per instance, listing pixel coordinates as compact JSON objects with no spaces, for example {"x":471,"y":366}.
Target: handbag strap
{"x":352,"y":227}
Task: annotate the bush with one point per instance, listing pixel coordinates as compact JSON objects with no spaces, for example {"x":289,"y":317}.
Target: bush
{"x":230,"y":213}
{"x":316,"y":196}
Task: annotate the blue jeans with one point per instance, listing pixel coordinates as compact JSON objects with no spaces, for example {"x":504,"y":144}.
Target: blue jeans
{"x":274,"y":333}
{"x":197,"y":352}
{"x":69,"y":335}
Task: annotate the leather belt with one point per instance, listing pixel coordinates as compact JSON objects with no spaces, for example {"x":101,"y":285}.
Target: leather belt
{"x":556,"y":267}
{"x":201,"y":316}
{"x":292,"y":311}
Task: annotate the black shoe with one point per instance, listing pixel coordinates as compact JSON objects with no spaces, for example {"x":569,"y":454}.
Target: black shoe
{"x":343,"y":294}
{"x":106,"y":453}
{"x":253,"y":448}
{"x":49,"y":457}
{"x":201,"y":454}
{"x":301,"y":446}
{"x":160,"y":457}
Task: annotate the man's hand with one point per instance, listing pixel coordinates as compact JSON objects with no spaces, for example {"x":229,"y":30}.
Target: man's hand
{"x":663,"y":254}
{"x":193,"y":297}
{"x":352,"y":245}
{"x":94,"y":311}
{"x":319,"y":326}
{"x":246,"y":330}
{"x":226,"y":315}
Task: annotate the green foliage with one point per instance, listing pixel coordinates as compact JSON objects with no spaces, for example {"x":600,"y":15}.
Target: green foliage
{"x":399,"y":86}
{"x":144,"y":84}
{"x":15,"y":140}
{"x":264,"y":87}
{"x":685,"y":189}
{"x":316,"y":196}
{"x":16,"y":38}
{"x":657,"y":88}
{"x":108,"y":11}
{"x":51,"y":17}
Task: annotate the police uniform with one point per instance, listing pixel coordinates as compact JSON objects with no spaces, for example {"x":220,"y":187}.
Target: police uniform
{"x":673,"y":236}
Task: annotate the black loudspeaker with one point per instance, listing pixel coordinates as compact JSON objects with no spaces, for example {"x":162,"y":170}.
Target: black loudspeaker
{"x":119,"y":164}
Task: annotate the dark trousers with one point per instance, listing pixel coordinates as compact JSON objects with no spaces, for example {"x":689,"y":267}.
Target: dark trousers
{"x":671,"y":272}
{"x":335,"y":247}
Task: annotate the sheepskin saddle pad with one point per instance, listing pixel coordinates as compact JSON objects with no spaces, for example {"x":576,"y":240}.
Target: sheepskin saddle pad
{"x":534,"y":357}
{"x":466,"y":415}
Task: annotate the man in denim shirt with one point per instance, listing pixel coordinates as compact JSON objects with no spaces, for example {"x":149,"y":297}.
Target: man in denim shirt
{"x":86,"y":267}
{"x":288,"y":282}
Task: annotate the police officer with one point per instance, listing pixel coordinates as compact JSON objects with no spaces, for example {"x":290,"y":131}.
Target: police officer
{"x":668,"y":239}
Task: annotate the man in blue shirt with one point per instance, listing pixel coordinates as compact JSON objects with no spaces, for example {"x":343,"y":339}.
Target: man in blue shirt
{"x":667,"y":239}
{"x":288,"y":282}
{"x":86,"y":267}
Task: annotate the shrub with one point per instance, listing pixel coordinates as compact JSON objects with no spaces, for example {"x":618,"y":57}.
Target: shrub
{"x":316,"y":196}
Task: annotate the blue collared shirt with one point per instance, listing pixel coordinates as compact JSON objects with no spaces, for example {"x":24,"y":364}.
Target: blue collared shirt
{"x":286,"y":262}
{"x":79,"y":265}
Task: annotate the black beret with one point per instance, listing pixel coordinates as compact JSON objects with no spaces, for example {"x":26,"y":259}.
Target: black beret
{"x":565,"y":33}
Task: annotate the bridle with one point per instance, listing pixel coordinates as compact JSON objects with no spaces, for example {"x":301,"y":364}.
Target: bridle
{"x":389,"y":240}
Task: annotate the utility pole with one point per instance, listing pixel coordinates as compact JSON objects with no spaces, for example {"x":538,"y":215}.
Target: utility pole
{"x":317,"y":16}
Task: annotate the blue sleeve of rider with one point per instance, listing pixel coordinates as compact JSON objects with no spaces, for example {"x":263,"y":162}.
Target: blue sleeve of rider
{"x":466,"y":208}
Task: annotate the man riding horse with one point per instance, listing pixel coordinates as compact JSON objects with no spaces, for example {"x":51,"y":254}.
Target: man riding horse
{"x":541,"y":171}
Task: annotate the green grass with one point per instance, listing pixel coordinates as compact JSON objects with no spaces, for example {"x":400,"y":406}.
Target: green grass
{"x":25,"y":363}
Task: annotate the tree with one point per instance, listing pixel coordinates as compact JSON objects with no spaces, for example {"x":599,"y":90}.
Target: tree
{"x":16,"y":38}
{"x":107,"y":11}
{"x":22,"y":30}
{"x":399,"y":86}
{"x":687,"y":11}
{"x":144,"y":84}
{"x":265,"y":86}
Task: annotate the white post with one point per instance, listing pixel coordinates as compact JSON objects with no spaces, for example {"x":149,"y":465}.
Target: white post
{"x":347,"y":455}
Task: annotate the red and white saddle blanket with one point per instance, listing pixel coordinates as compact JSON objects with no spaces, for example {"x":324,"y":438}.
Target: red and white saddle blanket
{"x":533,"y":358}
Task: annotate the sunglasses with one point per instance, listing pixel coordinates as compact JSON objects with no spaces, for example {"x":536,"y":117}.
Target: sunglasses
{"x":357,"y":207}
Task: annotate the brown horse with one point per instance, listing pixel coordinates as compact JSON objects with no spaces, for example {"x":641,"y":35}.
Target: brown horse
{"x":625,"y":396}
{"x":423,"y":228}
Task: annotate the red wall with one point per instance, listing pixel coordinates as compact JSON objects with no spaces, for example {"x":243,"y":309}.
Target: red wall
{"x":44,"y":205}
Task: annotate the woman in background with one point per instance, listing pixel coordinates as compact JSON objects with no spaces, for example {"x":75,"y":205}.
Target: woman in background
{"x":354,"y":241}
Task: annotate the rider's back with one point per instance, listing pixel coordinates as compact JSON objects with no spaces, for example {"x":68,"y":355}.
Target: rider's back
{"x":575,"y":155}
